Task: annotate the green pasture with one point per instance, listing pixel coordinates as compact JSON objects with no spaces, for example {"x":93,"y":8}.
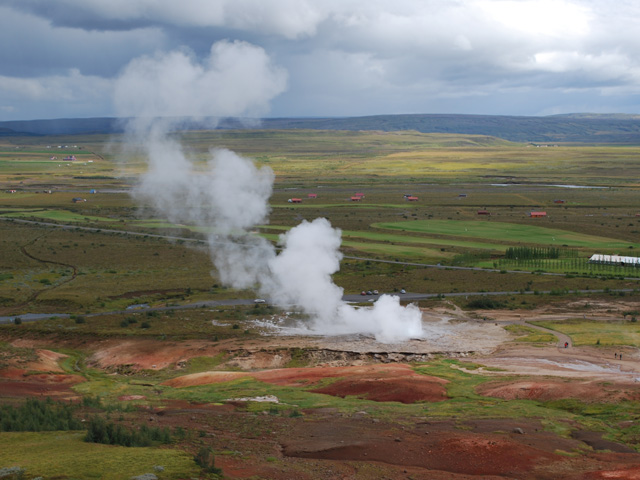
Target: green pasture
{"x":529,"y":334}
{"x":508,"y":233}
{"x":593,"y":332}
{"x":66,"y":455}
{"x":58,"y":216}
{"x":390,"y":239}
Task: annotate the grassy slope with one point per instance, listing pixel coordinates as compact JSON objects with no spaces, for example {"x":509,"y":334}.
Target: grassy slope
{"x":65,"y":455}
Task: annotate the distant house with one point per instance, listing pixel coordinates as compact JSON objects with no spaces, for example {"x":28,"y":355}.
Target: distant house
{"x":411,"y":198}
{"x":11,"y":191}
{"x":69,"y":158}
{"x":462,"y":195}
{"x":537,"y":214}
{"x":78,"y":199}
{"x":558,"y":201}
{"x":483,"y":212}
{"x":93,"y":190}
{"x":356,"y":198}
{"x":312,"y":195}
{"x":295,"y":200}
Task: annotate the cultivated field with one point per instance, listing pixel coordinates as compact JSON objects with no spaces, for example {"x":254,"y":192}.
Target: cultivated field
{"x":136,"y":329}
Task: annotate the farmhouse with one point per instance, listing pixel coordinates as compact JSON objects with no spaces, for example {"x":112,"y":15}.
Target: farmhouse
{"x":295,"y":200}
{"x":355,"y":198}
{"x":614,"y":260}
{"x":312,"y":195}
{"x":537,"y":214}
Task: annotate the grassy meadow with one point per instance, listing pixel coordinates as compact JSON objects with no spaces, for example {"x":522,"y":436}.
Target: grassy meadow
{"x":111,"y":256}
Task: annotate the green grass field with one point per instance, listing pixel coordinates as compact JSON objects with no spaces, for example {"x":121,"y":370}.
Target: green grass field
{"x":66,"y":455}
{"x":512,"y":234}
{"x":584,"y":332}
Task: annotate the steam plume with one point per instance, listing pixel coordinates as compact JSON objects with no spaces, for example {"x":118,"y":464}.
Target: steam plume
{"x":230,"y":195}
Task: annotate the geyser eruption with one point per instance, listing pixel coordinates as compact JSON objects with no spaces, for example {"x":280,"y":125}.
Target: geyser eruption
{"x":229,"y":195}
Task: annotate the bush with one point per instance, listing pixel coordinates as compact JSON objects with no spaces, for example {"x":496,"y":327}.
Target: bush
{"x":80,"y":320}
{"x":484,"y":303}
{"x":206,"y":460}
{"x":145,"y":325}
{"x":17,"y":321}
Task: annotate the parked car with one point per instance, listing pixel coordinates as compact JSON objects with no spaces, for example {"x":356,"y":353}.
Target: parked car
{"x":375,"y":292}
{"x":363,"y":292}
{"x":403,"y":291}
{"x":259,"y":300}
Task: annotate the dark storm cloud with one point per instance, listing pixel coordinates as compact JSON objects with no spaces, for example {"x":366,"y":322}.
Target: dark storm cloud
{"x":343,"y":57}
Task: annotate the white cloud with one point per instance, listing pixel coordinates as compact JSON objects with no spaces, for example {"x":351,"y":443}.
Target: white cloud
{"x":350,"y":56}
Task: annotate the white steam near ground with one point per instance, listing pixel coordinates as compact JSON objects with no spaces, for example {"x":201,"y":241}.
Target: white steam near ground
{"x":231,"y":195}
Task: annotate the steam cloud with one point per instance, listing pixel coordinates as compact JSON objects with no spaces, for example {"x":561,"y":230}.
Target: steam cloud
{"x":230,"y":195}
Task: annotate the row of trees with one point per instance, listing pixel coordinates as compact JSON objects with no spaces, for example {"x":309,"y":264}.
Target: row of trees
{"x":109,"y":433}
{"x":528,"y":253}
{"x":37,"y":416}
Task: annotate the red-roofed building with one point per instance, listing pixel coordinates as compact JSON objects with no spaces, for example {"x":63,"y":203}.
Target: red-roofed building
{"x":412,"y":198}
{"x":537,"y":214}
{"x":356,"y":198}
{"x":313,"y":195}
{"x":483,"y":212}
{"x":295,"y":200}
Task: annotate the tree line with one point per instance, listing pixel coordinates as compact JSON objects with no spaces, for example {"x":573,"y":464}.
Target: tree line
{"x":36,"y":415}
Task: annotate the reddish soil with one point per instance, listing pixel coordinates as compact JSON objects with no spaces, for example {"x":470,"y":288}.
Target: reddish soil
{"x":382,"y":383}
{"x":545,"y":390}
{"x":147,"y":354}
{"x":24,"y":380}
{"x":58,"y":386}
{"x":326,"y":444}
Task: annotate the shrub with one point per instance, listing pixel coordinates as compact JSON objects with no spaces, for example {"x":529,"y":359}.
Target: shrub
{"x":145,"y":325}
{"x":80,"y":319}
{"x":206,"y":460}
{"x":484,"y":303}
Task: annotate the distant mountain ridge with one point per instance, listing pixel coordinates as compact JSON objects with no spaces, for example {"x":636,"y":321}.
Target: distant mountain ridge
{"x":577,"y":127}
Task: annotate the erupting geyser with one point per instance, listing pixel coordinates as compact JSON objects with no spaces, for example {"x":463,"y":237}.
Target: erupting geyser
{"x":230,"y":196}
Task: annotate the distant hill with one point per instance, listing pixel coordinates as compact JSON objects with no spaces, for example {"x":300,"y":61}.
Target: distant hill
{"x":579,"y":127}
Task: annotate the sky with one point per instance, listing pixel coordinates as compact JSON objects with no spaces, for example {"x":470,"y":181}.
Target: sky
{"x":67,"y":58}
